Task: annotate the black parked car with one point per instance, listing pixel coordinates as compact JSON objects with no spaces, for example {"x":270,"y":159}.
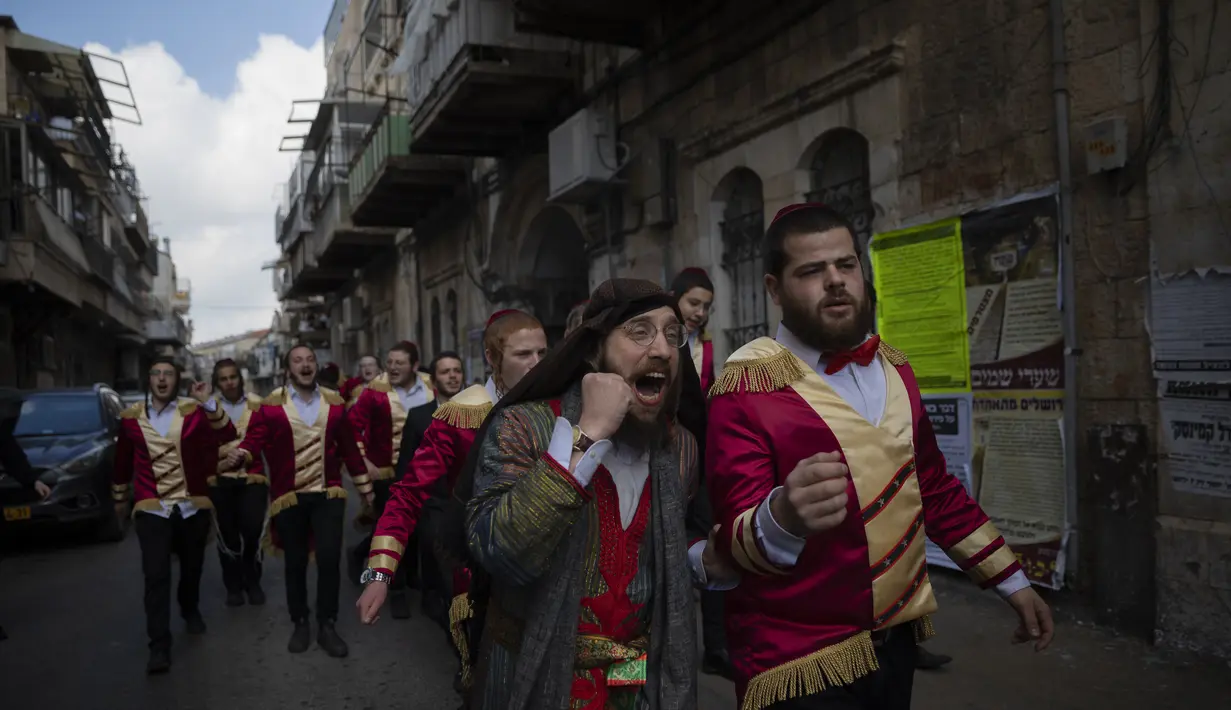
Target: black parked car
{"x":69,"y":435}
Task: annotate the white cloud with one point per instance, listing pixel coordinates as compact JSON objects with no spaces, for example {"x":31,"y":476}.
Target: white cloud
{"x":212,"y":171}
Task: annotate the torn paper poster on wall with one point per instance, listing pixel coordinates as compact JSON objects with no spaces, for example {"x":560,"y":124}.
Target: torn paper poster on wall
{"x":1190,"y":326}
{"x":1196,"y":436}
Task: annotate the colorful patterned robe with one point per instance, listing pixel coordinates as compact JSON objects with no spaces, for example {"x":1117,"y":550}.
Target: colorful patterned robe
{"x":526,"y":506}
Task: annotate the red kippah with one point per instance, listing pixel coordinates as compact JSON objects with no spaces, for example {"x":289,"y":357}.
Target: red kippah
{"x":500,"y":314}
{"x":797,"y":207}
{"x":697,"y":270}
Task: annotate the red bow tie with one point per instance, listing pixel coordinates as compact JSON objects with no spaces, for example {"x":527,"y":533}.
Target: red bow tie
{"x":862,"y":355}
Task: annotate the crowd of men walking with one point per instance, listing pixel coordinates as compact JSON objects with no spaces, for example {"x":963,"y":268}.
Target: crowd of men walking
{"x":559,"y":517}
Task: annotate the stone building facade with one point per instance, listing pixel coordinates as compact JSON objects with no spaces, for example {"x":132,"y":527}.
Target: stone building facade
{"x":900,"y":113}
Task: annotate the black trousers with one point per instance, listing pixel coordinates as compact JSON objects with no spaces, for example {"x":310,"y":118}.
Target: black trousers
{"x":888,"y":688}
{"x":160,"y":538}
{"x":314,"y":524}
{"x":699,"y":520}
{"x":239,"y":509}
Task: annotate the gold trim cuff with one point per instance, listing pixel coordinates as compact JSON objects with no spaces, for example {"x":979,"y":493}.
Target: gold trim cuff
{"x":388,"y":542}
{"x":997,"y":562}
{"x":362,"y":479}
{"x":383,"y":473}
{"x":744,"y":546}
{"x":974,"y":543}
{"x":383,"y":562}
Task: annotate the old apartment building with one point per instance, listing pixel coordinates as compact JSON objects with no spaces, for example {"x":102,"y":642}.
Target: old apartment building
{"x":85,"y":291}
{"x":479,"y":154}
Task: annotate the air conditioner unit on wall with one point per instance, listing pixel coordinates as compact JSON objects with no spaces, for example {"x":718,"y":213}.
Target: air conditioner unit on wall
{"x":581,"y":156}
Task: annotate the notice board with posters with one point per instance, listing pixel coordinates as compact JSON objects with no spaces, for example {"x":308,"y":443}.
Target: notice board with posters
{"x":1012,"y":349}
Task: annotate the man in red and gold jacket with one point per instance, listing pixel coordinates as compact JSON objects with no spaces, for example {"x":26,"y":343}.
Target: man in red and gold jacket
{"x":378,"y":418}
{"x":306,"y":437}
{"x":826,"y":478}
{"x":513,"y":343}
{"x":166,"y":451}
{"x":350,"y":389}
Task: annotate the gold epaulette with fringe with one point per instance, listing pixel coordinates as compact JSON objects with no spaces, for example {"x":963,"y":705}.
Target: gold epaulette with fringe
{"x":133,"y":412}
{"x":467,"y":410}
{"x":426,"y":379}
{"x":254,"y":401}
{"x":187,"y":406}
{"x":332,"y":397}
{"x":380,"y":383}
{"x":277,"y":398}
{"x":763,"y":365}
{"x":892,"y":355}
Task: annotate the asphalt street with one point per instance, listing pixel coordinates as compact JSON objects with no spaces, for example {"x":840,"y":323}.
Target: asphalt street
{"x":77,"y":641}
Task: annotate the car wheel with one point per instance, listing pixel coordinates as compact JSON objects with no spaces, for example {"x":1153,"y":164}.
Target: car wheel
{"x":112,"y":529}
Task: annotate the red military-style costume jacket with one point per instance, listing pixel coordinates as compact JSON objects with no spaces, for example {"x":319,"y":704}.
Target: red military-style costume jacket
{"x":440,"y":455}
{"x":174,"y":467}
{"x":304,"y":457}
{"x":254,"y":472}
{"x":377,"y":418}
{"x":795,"y":631}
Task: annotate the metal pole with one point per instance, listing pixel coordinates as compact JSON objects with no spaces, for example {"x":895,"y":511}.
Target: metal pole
{"x":1072,"y":349}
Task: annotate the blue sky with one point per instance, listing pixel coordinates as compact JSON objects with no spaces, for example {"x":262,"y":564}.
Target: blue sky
{"x":207,"y":38}
{"x":214,"y":81}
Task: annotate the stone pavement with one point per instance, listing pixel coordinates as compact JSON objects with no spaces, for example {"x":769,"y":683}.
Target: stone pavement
{"x":73,"y":611}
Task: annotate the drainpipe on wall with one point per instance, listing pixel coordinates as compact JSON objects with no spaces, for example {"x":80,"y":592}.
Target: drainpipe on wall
{"x":1068,"y":281}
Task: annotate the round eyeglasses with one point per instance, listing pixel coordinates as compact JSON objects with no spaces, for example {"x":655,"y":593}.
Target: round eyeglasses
{"x":644,"y":332}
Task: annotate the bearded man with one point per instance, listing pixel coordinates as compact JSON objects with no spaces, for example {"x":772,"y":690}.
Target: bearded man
{"x":165,"y":452}
{"x":826,"y":477}
{"x":514,"y":342}
{"x":575,"y":514}
{"x":303,"y":431}
{"x":241,"y":498}
{"x":378,"y":418}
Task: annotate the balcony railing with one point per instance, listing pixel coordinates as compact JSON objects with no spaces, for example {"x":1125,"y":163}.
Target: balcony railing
{"x":390,"y":139}
{"x":477,"y":85}
{"x":168,"y":329}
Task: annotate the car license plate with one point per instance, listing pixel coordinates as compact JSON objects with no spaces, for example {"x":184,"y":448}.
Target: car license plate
{"x":15,"y":513}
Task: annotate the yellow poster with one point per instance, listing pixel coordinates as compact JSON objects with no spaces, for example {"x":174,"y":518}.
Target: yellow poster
{"x":920,"y":282}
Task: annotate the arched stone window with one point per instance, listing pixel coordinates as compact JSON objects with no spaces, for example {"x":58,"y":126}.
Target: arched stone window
{"x":742,"y":229}
{"x":840,"y":179}
{"x":451,"y":337}
{"x":435,"y":317}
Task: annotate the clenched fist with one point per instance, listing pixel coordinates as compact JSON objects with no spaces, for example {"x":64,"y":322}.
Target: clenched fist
{"x":813,"y":498}
{"x":605,"y":399}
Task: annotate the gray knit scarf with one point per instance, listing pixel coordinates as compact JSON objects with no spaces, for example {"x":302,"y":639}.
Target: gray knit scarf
{"x":544,"y":674}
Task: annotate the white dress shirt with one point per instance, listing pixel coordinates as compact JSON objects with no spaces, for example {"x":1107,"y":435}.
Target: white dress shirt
{"x":234,"y":410}
{"x":864,"y":388}
{"x":413,"y":396}
{"x":307,"y":408}
{"x":161,"y":420}
{"x":495,"y":394}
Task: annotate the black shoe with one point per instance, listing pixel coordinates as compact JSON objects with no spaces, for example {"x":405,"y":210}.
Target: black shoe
{"x":301,"y":638}
{"x":329,"y":640}
{"x":160,"y":661}
{"x":194,"y":624}
{"x":925,"y":660}
{"x":256,"y":595}
{"x":235,"y":599}
{"x":717,"y":663}
{"x":399,"y":605}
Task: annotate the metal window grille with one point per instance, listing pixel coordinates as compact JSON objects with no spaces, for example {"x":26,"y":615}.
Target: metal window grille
{"x":840,"y":180}
{"x":741,"y":258}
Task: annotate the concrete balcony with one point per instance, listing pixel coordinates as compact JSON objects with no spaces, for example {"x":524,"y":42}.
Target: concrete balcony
{"x":392,"y":187}
{"x":168,"y":330}
{"x":476,"y":86}
{"x":622,"y":23}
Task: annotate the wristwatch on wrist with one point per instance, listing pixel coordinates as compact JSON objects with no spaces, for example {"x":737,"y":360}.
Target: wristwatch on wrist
{"x":581,"y":441}
{"x":371,"y":575}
